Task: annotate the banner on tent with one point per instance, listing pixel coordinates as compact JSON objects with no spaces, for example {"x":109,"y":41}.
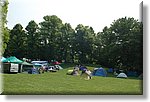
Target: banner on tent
{"x":14,"y":67}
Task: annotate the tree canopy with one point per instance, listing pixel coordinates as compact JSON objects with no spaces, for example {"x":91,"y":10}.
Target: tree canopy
{"x":4,"y":30}
{"x":117,"y":46}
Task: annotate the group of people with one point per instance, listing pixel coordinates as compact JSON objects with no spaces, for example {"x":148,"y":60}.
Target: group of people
{"x":85,"y":72}
{"x":39,"y":70}
{"x":43,"y":69}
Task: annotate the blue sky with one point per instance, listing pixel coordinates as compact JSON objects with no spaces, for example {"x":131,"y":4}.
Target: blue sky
{"x":95,"y":13}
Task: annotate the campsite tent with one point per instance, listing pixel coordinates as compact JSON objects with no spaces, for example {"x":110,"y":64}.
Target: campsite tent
{"x":11,"y":64}
{"x":122,"y":75}
{"x":100,"y":72}
{"x":12,"y":59}
{"x":26,"y":63}
{"x":110,"y":70}
{"x":58,"y":67}
{"x":39,"y":63}
{"x":56,"y":63}
{"x":141,"y":76}
{"x":132,"y":73}
{"x":33,"y":71}
{"x":25,"y":67}
{"x":3,"y":59}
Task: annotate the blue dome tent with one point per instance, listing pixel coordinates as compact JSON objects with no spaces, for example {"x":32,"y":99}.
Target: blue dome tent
{"x":100,"y":72}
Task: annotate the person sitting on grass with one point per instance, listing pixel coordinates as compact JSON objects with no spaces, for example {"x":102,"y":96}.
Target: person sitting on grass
{"x":41,"y":69}
{"x":75,"y":70}
{"x":86,"y":73}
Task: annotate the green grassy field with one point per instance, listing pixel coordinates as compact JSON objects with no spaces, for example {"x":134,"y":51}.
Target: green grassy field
{"x":61,"y":84}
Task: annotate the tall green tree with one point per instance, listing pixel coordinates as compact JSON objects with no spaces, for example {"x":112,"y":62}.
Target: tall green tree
{"x":33,"y":41}
{"x":4,"y":30}
{"x":123,"y":43}
{"x":106,"y":41}
{"x":50,"y":30}
{"x":17,"y":42}
{"x":66,"y":43}
{"x":83,"y":43}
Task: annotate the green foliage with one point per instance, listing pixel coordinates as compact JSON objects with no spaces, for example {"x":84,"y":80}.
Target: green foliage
{"x":66,"y":43}
{"x":122,"y":43}
{"x":16,"y":45}
{"x":83,"y":43}
{"x":50,"y":31}
{"x":119,"y":46}
{"x":33,"y":40}
{"x":3,"y":21}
